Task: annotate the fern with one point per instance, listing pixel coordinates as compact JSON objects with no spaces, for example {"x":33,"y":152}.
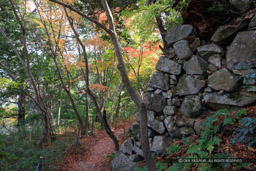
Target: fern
{"x":160,"y":166}
{"x":173,"y":148}
{"x":228,"y":120}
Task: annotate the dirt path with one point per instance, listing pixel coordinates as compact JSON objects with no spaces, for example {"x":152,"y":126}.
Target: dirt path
{"x":93,"y":151}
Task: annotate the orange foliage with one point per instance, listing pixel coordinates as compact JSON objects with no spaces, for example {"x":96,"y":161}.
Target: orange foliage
{"x":99,"y":87}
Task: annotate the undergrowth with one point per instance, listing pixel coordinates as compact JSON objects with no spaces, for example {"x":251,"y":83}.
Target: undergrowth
{"x":18,"y":151}
{"x":224,"y":136}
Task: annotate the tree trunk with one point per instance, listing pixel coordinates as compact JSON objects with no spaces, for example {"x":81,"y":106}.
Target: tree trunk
{"x":59,"y":108}
{"x":86,"y":121}
{"x":21,"y":108}
{"x":118,"y":105}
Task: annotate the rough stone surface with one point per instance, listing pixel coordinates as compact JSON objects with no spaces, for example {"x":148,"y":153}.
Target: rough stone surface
{"x":195,"y":44}
{"x":134,"y":131}
{"x":182,"y":49}
{"x":157,"y":126}
{"x":210,"y":49}
{"x":171,"y":53}
{"x":242,"y":54}
{"x":159,"y":80}
{"x":215,"y":60}
{"x":151,"y":115}
{"x":156,"y":102}
{"x":138,"y":151}
{"x":180,"y":32}
{"x":127,"y":146}
{"x":191,"y":106}
{"x":167,"y":94}
{"x":149,"y":89}
{"x":252,"y":24}
{"x":225,"y":34}
{"x":169,"y":123}
{"x":188,"y":85}
{"x":240,"y":5}
{"x":196,"y":65}
{"x":175,"y":101}
{"x":223,"y":80}
{"x":158,"y":91}
{"x":216,"y":100}
{"x":122,"y":163}
{"x":135,"y":158}
{"x":160,"y":143}
{"x":169,"y":66}
{"x":169,"y":110}
{"x":211,"y":68}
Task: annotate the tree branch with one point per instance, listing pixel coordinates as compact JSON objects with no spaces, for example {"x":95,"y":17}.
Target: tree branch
{"x":83,"y":15}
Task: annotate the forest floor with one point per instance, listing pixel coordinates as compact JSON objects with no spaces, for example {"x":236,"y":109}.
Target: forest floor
{"x":94,"y":151}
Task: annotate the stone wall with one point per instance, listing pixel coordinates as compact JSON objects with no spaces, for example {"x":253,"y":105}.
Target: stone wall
{"x":195,"y":78}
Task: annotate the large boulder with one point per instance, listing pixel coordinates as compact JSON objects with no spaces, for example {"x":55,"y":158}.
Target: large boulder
{"x":252,"y":23}
{"x":210,"y":49}
{"x":160,"y":143}
{"x":178,"y":33}
{"x":134,"y":131}
{"x":215,"y":60}
{"x":242,"y":52}
{"x":156,"y":102}
{"x":127,"y":146}
{"x":169,"y":110}
{"x":192,"y":106}
{"x":196,"y":65}
{"x":189,"y":85}
{"x":169,"y":123}
{"x":182,"y":49}
{"x":156,"y":125}
{"x":218,"y":101}
{"x":169,"y":66}
{"x":159,"y":80}
{"x":122,"y":163}
{"x":240,"y":5}
{"x":223,"y":80}
{"x":225,"y":34}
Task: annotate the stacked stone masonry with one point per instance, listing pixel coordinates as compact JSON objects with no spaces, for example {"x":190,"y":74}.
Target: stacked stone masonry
{"x":193,"y":80}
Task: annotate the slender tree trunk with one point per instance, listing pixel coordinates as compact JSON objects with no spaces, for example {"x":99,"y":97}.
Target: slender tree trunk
{"x":21,"y":108}
{"x":118,"y":106}
{"x":86,"y":122}
{"x":59,"y":108}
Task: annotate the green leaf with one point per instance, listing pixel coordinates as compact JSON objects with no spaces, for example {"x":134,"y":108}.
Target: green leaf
{"x":228,"y":120}
{"x":216,"y":140}
{"x":210,"y":148}
{"x":173,"y":148}
{"x":240,"y":113}
{"x":160,"y":166}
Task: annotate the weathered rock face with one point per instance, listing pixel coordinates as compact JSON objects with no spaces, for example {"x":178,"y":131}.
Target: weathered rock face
{"x":126,"y":147}
{"x":182,"y":49}
{"x":209,"y":50}
{"x":160,"y":143}
{"x":191,"y":106}
{"x":242,"y":54}
{"x":192,"y":80}
{"x":225,"y":34}
{"x":159,"y":80}
{"x":223,"y":80}
{"x":156,"y":102}
{"x":122,"y":163}
{"x":169,"y":66}
{"x":180,"y":32}
{"x":189,"y":85}
{"x":169,"y":110}
{"x":195,"y":66}
{"x":241,"y":5}
{"x":215,"y":60}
